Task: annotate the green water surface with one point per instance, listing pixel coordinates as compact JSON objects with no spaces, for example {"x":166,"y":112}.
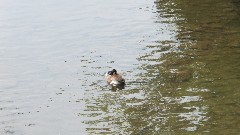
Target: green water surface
{"x":190,"y":83}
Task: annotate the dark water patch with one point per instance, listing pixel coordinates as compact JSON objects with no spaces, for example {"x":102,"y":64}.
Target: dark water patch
{"x":204,"y":69}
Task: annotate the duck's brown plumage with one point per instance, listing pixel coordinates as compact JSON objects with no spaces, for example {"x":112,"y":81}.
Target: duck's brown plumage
{"x":114,"y":78}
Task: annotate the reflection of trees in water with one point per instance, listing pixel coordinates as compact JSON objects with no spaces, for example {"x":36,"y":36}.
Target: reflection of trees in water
{"x":176,"y":87}
{"x":209,"y":37}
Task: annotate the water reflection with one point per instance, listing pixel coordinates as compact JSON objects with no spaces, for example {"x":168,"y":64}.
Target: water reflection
{"x":117,"y":87}
{"x":190,"y":80}
{"x":208,"y":38}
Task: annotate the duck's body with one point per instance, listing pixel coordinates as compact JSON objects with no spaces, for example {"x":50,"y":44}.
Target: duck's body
{"x":114,"y":78}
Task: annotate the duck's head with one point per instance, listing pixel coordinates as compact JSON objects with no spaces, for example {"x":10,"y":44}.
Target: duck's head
{"x":110,"y":73}
{"x":114,"y":71}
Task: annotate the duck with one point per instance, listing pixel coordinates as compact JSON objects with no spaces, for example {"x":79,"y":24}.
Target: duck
{"x":113,"y":78}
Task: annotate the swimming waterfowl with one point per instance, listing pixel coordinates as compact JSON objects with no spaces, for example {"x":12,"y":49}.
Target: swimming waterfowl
{"x":114,"y":78}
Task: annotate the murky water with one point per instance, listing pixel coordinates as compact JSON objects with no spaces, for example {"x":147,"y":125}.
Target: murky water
{"x":180,"y":60}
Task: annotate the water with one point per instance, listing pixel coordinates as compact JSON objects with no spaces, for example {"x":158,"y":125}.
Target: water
{"x":179,"y":59}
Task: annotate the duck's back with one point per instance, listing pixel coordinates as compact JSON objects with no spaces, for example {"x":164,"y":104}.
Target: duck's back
{"x":118,"y":77}
{"x":115,"y":79}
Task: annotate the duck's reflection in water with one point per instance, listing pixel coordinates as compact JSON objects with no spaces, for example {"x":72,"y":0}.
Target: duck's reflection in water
{"x":114,"y":88}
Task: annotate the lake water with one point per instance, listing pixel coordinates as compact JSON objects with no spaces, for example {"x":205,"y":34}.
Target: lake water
{"x":180,"y":60}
